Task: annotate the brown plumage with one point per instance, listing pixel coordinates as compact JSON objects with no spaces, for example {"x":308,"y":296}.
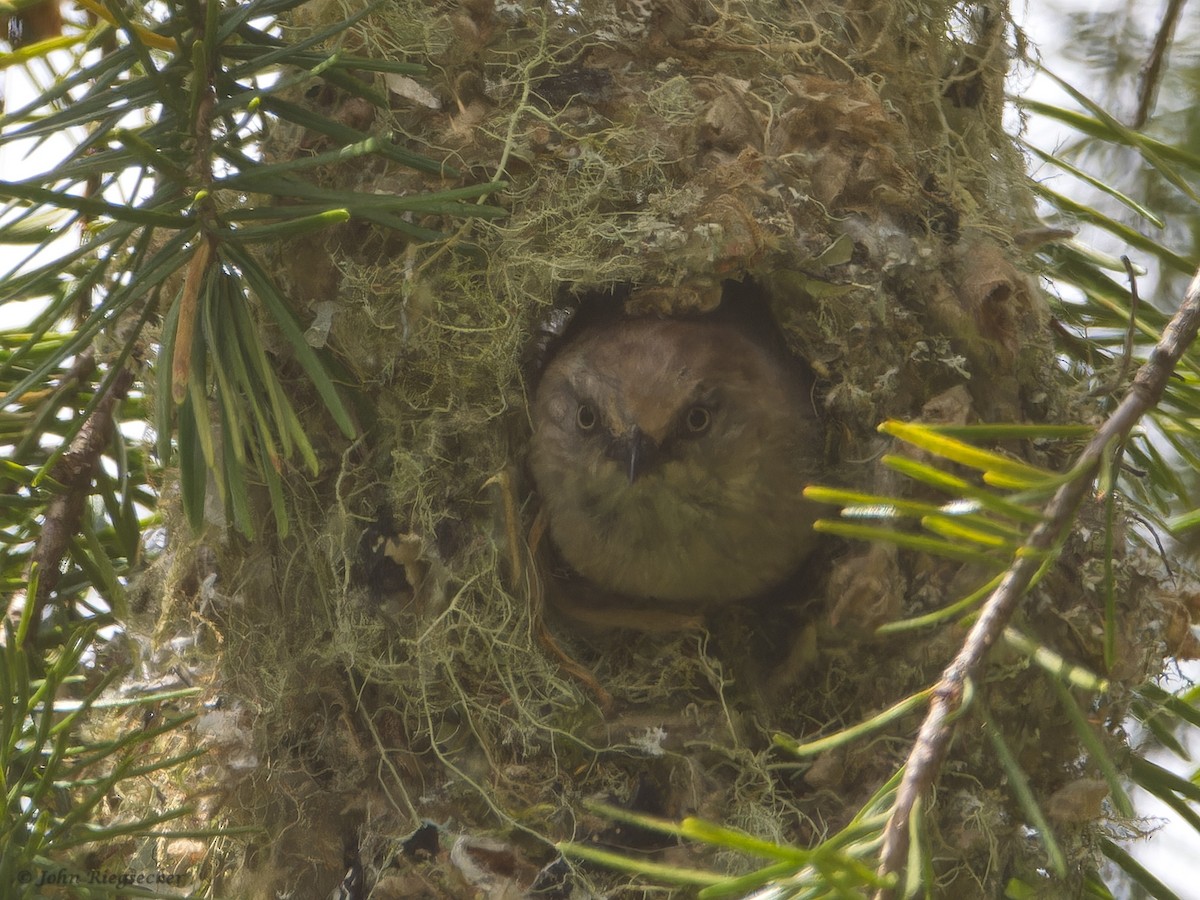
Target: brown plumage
{"x":670,"y":455}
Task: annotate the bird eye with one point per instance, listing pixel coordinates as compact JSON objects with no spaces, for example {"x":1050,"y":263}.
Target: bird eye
{"x":698,"y":420}
{"x":585,"y":418}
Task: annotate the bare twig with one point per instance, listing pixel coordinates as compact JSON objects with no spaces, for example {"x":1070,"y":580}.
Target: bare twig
{"x":74,"y":471}
{"x":1134,"y":300}
{"x":1152,"y":69}
{"x":925,"y":759}
{"x":1118,"y":382}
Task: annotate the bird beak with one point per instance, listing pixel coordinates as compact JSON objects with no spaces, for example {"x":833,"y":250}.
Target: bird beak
{"x":636,"y":450}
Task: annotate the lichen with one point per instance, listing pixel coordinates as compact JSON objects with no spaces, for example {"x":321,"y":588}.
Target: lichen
{"x":817,"y":149}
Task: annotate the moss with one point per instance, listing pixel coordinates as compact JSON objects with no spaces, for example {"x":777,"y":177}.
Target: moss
{"x":666,"y":147}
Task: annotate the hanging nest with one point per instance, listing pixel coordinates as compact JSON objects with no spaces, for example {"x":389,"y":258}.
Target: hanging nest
{"x":391,"y":660}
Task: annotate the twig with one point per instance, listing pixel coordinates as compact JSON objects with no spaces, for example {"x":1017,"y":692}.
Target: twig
{"x":1152,"y":69}
{"x":1116,"y":384}
{"x":205,"y":249}
{"x":1134,"y":300}
{"x":925,"y":759}
{"x":74,"y":471}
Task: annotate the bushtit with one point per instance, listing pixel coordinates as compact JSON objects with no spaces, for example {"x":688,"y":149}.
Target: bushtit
{"x":670,"y":456}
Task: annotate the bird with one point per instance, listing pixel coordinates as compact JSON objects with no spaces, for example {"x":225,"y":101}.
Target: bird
{"x":670,"y":455}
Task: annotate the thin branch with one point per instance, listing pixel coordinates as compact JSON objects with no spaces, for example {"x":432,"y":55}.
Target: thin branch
{"x":1152,"y":69}
{"x":74,"y":471}
{"x":925,"y":759}
{"x":1115,"y":385}
{"x":204,"y":103}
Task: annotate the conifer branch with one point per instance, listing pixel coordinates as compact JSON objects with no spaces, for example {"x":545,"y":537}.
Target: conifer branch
{"x":925,"y":759}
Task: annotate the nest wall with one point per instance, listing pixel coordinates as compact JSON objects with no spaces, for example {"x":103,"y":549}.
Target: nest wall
{"x":847,"y":158}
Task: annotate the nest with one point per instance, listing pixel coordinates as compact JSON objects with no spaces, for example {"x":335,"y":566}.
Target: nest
{"x":389,"y":657}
